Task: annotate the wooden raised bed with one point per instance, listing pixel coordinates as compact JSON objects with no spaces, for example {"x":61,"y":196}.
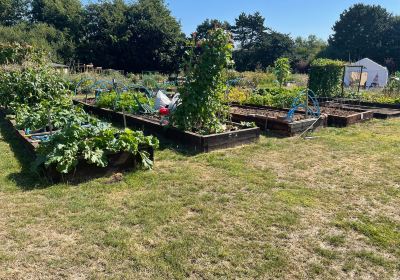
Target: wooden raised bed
{"x":274,"y":120}
{"x":331,"y":116}
{"x":380,"y":110}
{"x":118,"y":162}
{"x":193,"y":141}
{"x":342,"y":117}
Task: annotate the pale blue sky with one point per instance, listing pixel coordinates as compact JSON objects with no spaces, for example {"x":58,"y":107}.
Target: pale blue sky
{"x":297,"y":17}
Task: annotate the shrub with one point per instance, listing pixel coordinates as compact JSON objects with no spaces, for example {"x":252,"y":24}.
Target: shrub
{"x":256,"y":79}
{"x":393,"y":88}
{"x":239,"y":95}
{"x":326,"y":77}
{"x":282,"y":70}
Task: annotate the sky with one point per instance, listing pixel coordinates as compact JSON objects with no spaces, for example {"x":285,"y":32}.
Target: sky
{"x":295,"y":17}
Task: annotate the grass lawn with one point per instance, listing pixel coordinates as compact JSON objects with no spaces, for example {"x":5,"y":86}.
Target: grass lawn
{"x":325,"y":208}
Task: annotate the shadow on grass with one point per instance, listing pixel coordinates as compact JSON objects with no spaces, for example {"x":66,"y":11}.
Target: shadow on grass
{"x":26,"y":179}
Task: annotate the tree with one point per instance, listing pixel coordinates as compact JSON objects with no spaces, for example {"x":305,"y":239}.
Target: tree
{"x":153,"y":38}
{"x":305,"y":51}
{"x":13,"y":11}
{"x":249,"y":30}
{"x":258,"y":45}
{"x":103,"y":32}
{"x":132,"y":37}
{"x":392,"y":46}
{"x":56,"y":43}
{"x":61,"y":14}
{"x":209,"y":24}
{"x":360,"y":32}
{"x":263,"y":54}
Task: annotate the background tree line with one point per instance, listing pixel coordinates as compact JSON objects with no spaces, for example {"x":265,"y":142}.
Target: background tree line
{"x":113,"y":34}
{"x":144,"y":36}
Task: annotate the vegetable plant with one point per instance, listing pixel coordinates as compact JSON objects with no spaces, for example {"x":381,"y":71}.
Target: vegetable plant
{"x":282,"y":70}
{"x":57,"y":113}
{"x":126,"y":101}
{"x":92,"y":143}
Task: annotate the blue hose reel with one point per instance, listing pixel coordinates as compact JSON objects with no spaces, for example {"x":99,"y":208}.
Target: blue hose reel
{"x":307,"y":100}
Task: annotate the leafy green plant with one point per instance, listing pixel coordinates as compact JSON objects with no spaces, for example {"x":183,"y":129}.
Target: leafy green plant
{"x":238,"y":95}
{"x":30,"y":85}
{"x":57,"y":113}
{"x":39,"y":97}
{"x":126,"y":101}
{"x":326,"y":77}
{"x":16,"y":53}
{"x":282,"y":70}
{"x":201,"y":109}
{"x":393,"y":88}
{"x":274,"y":96}
{"x":93,"y":144}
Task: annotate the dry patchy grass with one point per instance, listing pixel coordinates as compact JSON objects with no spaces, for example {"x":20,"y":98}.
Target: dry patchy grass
{"x":325,"y":208}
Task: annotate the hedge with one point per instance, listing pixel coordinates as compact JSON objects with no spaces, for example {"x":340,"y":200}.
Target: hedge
{"x":326,"y":77}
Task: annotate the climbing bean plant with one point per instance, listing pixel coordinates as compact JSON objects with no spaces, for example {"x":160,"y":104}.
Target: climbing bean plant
{"x":201,"y":108}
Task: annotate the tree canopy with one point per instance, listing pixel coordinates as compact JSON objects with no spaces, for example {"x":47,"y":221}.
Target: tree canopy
{"x":258,"y":45}
{"x":365,"y":31}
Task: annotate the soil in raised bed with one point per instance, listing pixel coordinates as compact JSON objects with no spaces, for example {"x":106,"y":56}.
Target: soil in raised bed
{"x":334,"y":111}
{"x":269,"y":113}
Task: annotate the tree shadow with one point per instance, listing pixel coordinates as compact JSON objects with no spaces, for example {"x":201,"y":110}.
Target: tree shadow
{"x":26,"y":179}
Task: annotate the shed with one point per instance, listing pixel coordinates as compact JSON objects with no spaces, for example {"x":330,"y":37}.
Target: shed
{"x":61,"y":68}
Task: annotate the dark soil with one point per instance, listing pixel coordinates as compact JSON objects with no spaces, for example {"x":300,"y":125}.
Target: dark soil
{"x":269,"y":113}
{"x":337,"y":111}
{"x":90,"y":101}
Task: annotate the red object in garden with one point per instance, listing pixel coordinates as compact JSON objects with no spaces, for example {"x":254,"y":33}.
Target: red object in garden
{"x":164,"y":111}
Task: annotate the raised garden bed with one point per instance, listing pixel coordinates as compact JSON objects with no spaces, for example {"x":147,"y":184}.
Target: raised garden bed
{"x":273,"y":119}
{"x":342,"y":117}
{"x":331,"y":116}
{"x":118,"y":162}
{"x":380,"y":110}
{"x":193,"y":141}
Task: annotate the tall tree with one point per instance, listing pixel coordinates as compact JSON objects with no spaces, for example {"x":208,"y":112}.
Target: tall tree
{"x":154,"y":37}
{"x":360,"y":32}
{"x":392,"y":45}
{"x":208,"y":25}
{"x":258,"y":45}
{"x":249,"y":30}
{"x":103,"y":30}
{"x":41,"y":35}
{"x":62,"y":14}
{"x":13,"y":11}
{"x":132,"y":37}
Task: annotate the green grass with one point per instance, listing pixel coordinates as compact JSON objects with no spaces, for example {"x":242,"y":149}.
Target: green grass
{"x":324,"y":208}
